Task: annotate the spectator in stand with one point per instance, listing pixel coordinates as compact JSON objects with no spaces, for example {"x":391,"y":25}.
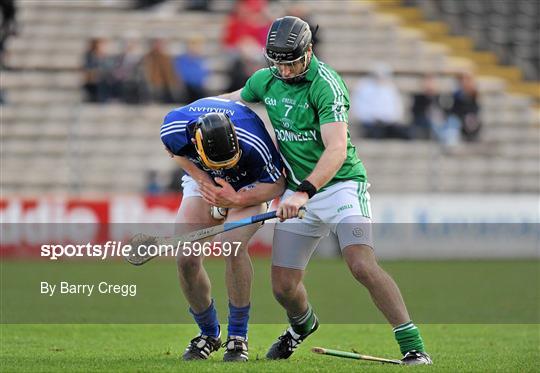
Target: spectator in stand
{"x":378,"y":106}
{"x":428,"y":109}
{"x":163,"y":84}
{"x":152,"y":186}
{"x":466,"y":108}
{"x":128,"y":78}
{"x":249,"y":18}
{"x":97,"y":72}
{"x":191,"y":67}
{"x":201,"y":5}
{"x":175,"y":181}
{"x":144,"y":4}
{"x":8,"y":26}
{"x":245,"y":62}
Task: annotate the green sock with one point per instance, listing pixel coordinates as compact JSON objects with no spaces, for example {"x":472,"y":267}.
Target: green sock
{"x":408,"y":337}
{"x":303,"y":323}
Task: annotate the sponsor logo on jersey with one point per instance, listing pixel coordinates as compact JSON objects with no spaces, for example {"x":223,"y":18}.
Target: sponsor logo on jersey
{"x":228,"y":178}
{"x":290,"y":136}
{"x":338,"y":108}
{"x":344,"y":207}
{"x":232,"y":179}
{"x":270,"y":101}
{"x":206,"y":109}
{"x":289,"y":101}
{"x":358,"y":232}
{"x":287,"y":123}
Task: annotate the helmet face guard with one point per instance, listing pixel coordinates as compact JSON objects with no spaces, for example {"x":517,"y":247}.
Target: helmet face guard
{"x":298,"y":66}
{"x":216,"y":141}
{"x":287,"y":50}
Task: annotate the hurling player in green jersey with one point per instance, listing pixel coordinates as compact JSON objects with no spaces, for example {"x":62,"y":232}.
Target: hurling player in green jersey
{"x":308,"y":103}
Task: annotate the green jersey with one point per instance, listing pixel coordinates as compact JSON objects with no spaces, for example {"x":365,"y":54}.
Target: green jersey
{"x":297,"y":112}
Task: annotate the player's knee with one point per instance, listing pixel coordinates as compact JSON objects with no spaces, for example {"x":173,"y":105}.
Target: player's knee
{"x":188,"y":264}
{"x":238,"y":256}
{"x":282,"y":293}
{"x":364,"y":272}
{"x":284,"y":288}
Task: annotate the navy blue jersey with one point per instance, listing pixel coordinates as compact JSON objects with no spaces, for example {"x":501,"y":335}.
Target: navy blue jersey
{"x":259,"y":161}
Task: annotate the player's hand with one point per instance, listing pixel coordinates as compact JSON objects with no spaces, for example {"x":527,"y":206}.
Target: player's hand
{"x":289,"y":207}
{"x":221,"y":195}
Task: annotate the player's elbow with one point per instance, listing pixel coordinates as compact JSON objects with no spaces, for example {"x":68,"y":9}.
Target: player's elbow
{"x":339,"y":152}
{"x":277,"y":188}
{"x":280,"y":185}
{"x":233,"y":96}
{"x":343,"y":154}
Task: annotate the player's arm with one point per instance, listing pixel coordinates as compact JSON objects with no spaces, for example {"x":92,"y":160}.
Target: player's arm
{"x":262,"y":192}
{"x":224,"y":195}
{"x":253,"y":90}
{"x":264,"y":161}
{"x":191,"y":168}
{"x":334,"y":137}
{"x":233,"y":96}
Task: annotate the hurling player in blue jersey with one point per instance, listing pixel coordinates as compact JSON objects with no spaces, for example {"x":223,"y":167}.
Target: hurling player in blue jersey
{"x":231,"y":163}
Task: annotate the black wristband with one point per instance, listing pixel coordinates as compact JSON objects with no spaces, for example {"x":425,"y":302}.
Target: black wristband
{"x":306,"y":186}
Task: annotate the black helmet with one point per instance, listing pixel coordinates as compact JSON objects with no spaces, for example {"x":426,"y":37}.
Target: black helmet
{"x":216,"y":141}
{"x":287,"y":44}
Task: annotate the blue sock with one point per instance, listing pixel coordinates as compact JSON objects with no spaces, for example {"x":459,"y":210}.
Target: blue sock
{"x":207,"y":320}
{"x":238,"y":320}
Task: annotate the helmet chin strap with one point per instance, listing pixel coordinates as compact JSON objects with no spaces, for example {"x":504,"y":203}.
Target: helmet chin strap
{"x":307,"y":61}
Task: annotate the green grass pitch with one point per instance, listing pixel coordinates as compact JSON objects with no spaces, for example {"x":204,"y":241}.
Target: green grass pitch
{"x":152,"y":348}
{"x":475,"y":316}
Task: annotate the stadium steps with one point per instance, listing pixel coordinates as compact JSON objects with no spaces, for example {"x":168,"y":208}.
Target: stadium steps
{"x":32,"y":130}
{"x":485,"y":63}
{"x":39,"y":96}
